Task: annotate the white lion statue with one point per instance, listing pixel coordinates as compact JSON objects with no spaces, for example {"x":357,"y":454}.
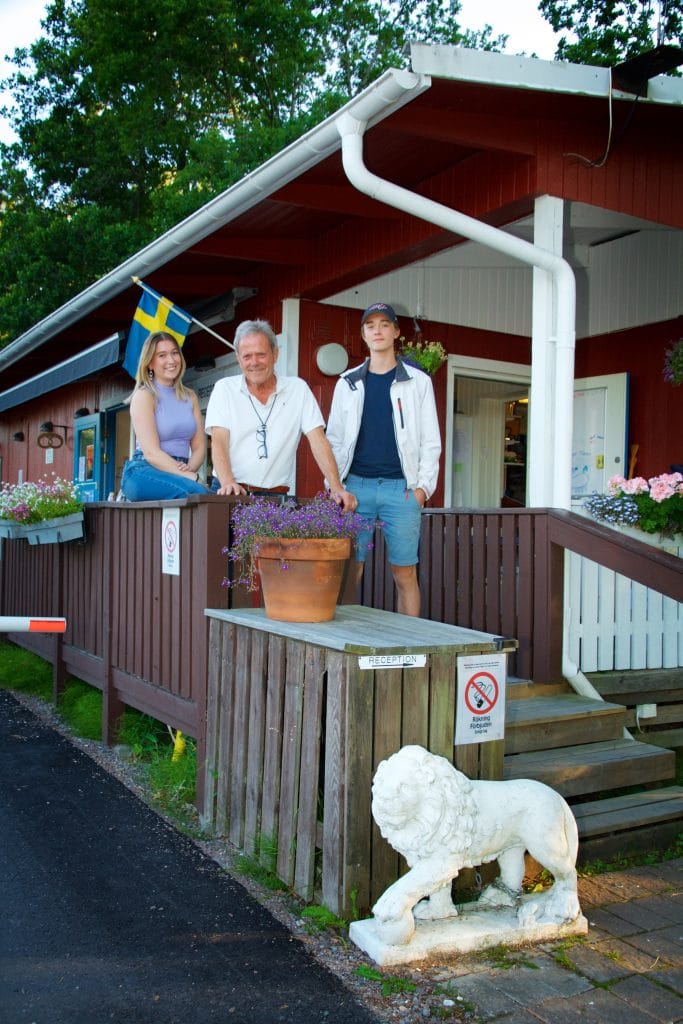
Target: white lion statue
{"x":441,"y":822}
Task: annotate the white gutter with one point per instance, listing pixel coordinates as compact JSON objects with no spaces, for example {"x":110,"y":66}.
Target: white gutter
{"x":390,"y":92}
{"x":563,"y":335}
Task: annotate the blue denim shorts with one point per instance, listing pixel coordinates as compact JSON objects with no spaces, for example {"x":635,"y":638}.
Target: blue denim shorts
{"x":397,"y":508}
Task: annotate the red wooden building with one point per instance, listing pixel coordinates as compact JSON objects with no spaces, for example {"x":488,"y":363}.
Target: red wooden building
{"x":519,"y":180}
{"x":526,"y":214}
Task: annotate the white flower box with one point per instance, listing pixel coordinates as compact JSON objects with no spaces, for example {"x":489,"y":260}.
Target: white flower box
{"x":54,"y":531}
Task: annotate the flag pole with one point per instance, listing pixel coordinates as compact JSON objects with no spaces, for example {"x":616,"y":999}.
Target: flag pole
{"x":170,"y":305}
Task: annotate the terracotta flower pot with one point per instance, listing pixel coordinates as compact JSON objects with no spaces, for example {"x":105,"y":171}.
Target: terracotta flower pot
{"x":301,"y":578}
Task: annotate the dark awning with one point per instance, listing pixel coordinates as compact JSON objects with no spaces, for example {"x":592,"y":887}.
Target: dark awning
{"x":89,"y":361}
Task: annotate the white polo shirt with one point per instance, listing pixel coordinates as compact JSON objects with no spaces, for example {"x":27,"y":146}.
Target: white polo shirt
{"x":289,"y":412}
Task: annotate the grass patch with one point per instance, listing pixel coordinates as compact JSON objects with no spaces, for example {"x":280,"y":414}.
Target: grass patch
{"x":173,"y":783}
{"x":561,"y":953}
{"x":623,"y":861}
{"x":80,"y":706}
{"x":24,"y":671}
{"x":261,"y":867}
{"x":147,"y":738}
{"x":501,"y":957}
{"x":391,"y":984}
{"x":321,"y":918}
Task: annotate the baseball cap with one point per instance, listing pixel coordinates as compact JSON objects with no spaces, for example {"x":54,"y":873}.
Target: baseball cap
{"x":379,"y":307}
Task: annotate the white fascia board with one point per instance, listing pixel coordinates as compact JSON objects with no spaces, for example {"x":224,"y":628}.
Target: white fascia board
{"x":388,"y":93}
{"x":511,"y":71}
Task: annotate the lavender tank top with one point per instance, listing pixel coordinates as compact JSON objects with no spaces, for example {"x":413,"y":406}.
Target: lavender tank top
{"x":175,"y":422}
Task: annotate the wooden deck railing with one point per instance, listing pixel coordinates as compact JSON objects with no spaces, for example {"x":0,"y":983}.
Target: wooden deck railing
{"x":141,"y":636}
{"x":134,"y":632}
{"x":502,"y":571}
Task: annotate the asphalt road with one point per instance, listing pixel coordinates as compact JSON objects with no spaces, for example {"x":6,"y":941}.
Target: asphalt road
{"x":108,"y":914}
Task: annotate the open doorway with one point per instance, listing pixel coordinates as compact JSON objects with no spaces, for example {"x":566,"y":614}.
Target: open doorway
{"x":486,"y":442}
{"x":515,"y":451}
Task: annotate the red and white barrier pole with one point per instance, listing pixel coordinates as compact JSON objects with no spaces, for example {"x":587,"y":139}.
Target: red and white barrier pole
{"x":26,"y":624}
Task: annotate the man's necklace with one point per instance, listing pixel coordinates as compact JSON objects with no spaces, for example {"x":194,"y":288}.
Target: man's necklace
{"x":263,"y":422}
{"x":262,"y":450}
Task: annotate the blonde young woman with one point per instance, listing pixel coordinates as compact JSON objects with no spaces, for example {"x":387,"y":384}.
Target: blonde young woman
{"x":170,"y":443}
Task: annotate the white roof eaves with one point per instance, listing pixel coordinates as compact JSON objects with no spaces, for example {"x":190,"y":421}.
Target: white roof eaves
{"x":482,"y":67}
{"x":389,"y":92}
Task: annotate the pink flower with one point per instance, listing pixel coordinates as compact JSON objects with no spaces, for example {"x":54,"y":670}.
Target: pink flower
{"x":615,"y":484}
{"x":638,"y":485}
{"x":661,"y":490}
{"x":664,"y":486}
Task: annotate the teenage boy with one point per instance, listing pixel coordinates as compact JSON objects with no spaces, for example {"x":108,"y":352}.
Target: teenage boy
{"x":384,"y":434}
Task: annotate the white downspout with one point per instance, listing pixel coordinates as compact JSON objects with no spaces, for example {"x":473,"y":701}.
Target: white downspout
{"x":563,"y":335}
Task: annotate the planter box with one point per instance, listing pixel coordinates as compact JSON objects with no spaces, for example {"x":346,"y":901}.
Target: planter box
{"x":673,"y":545}
{"x":9,"y":529}
{"x":54,"y":531}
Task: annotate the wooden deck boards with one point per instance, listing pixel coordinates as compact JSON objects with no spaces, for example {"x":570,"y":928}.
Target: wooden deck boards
{"x":359,"y":630}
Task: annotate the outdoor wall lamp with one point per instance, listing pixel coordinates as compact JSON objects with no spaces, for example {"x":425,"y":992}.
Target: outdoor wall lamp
{"x":48,"y":427}
{"x":83,"y":411}
{"x":19,"y":436}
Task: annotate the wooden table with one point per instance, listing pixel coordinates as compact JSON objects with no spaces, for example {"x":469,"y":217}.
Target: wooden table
{"x":296,"y":727}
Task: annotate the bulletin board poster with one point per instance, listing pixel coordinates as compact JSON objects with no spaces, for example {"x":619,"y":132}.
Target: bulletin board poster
{"x":170,"y":542}
{"x":588,"y":442}
{"x":480,"y":704}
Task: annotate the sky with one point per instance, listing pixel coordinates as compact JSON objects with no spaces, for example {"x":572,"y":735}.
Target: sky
{"x":519,"y":19}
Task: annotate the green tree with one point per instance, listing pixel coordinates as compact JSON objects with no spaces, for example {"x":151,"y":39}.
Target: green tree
{"x":130,"y":116}
{"x":610,"y":31}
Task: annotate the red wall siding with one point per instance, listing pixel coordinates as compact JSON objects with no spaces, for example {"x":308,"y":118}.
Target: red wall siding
{"x":655,"y":407}
{"x":58,"y":406}
{"x":640,"y":177}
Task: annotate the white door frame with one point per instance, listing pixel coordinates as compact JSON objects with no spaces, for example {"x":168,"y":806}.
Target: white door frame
{"x":471,"y":366}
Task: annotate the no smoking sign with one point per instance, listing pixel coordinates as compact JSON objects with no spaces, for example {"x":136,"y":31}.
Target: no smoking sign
{"x":481,"y":693}
{"x":480,"y":706}
{"x":170,"y":542}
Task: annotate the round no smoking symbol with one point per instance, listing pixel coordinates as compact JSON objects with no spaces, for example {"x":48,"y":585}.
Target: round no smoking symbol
{"x":171,"y":537}
{"x":481,"y":693}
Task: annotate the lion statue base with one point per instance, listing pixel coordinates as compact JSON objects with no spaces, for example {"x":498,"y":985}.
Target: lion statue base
{"x":441,"y":822}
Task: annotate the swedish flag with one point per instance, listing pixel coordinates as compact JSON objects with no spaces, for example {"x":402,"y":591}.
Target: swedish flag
{"x":154,"y":313}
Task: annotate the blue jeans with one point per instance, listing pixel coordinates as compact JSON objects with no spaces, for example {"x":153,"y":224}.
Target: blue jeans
{"x":398,"y":510}
{"x":142,"y":482}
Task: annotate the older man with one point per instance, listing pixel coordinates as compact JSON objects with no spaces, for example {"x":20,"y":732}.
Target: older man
{"x":256,"y":421}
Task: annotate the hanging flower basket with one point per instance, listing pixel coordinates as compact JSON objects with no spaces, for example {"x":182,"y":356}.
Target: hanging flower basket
{"x":673,"y":364}
{"x":428,"y":355}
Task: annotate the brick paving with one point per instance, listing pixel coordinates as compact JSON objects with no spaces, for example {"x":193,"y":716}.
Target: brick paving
{"x":628,"y":969}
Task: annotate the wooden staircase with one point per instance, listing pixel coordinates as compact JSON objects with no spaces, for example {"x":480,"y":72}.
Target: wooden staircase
{"x":616,"y":785}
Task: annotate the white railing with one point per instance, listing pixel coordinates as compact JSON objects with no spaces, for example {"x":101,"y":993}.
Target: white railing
{"x":616,"y":624}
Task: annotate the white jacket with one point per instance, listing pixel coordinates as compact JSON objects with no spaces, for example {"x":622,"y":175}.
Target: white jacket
{"x":416,"y":426}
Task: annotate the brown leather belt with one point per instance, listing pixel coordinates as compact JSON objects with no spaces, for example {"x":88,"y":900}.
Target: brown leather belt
{"x":252,"y":489}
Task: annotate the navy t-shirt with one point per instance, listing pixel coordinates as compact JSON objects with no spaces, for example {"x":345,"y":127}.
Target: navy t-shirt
{"x":376,"y":454}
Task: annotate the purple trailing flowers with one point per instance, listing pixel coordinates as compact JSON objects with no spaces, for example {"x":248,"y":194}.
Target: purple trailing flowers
{"x":263,"y":517}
